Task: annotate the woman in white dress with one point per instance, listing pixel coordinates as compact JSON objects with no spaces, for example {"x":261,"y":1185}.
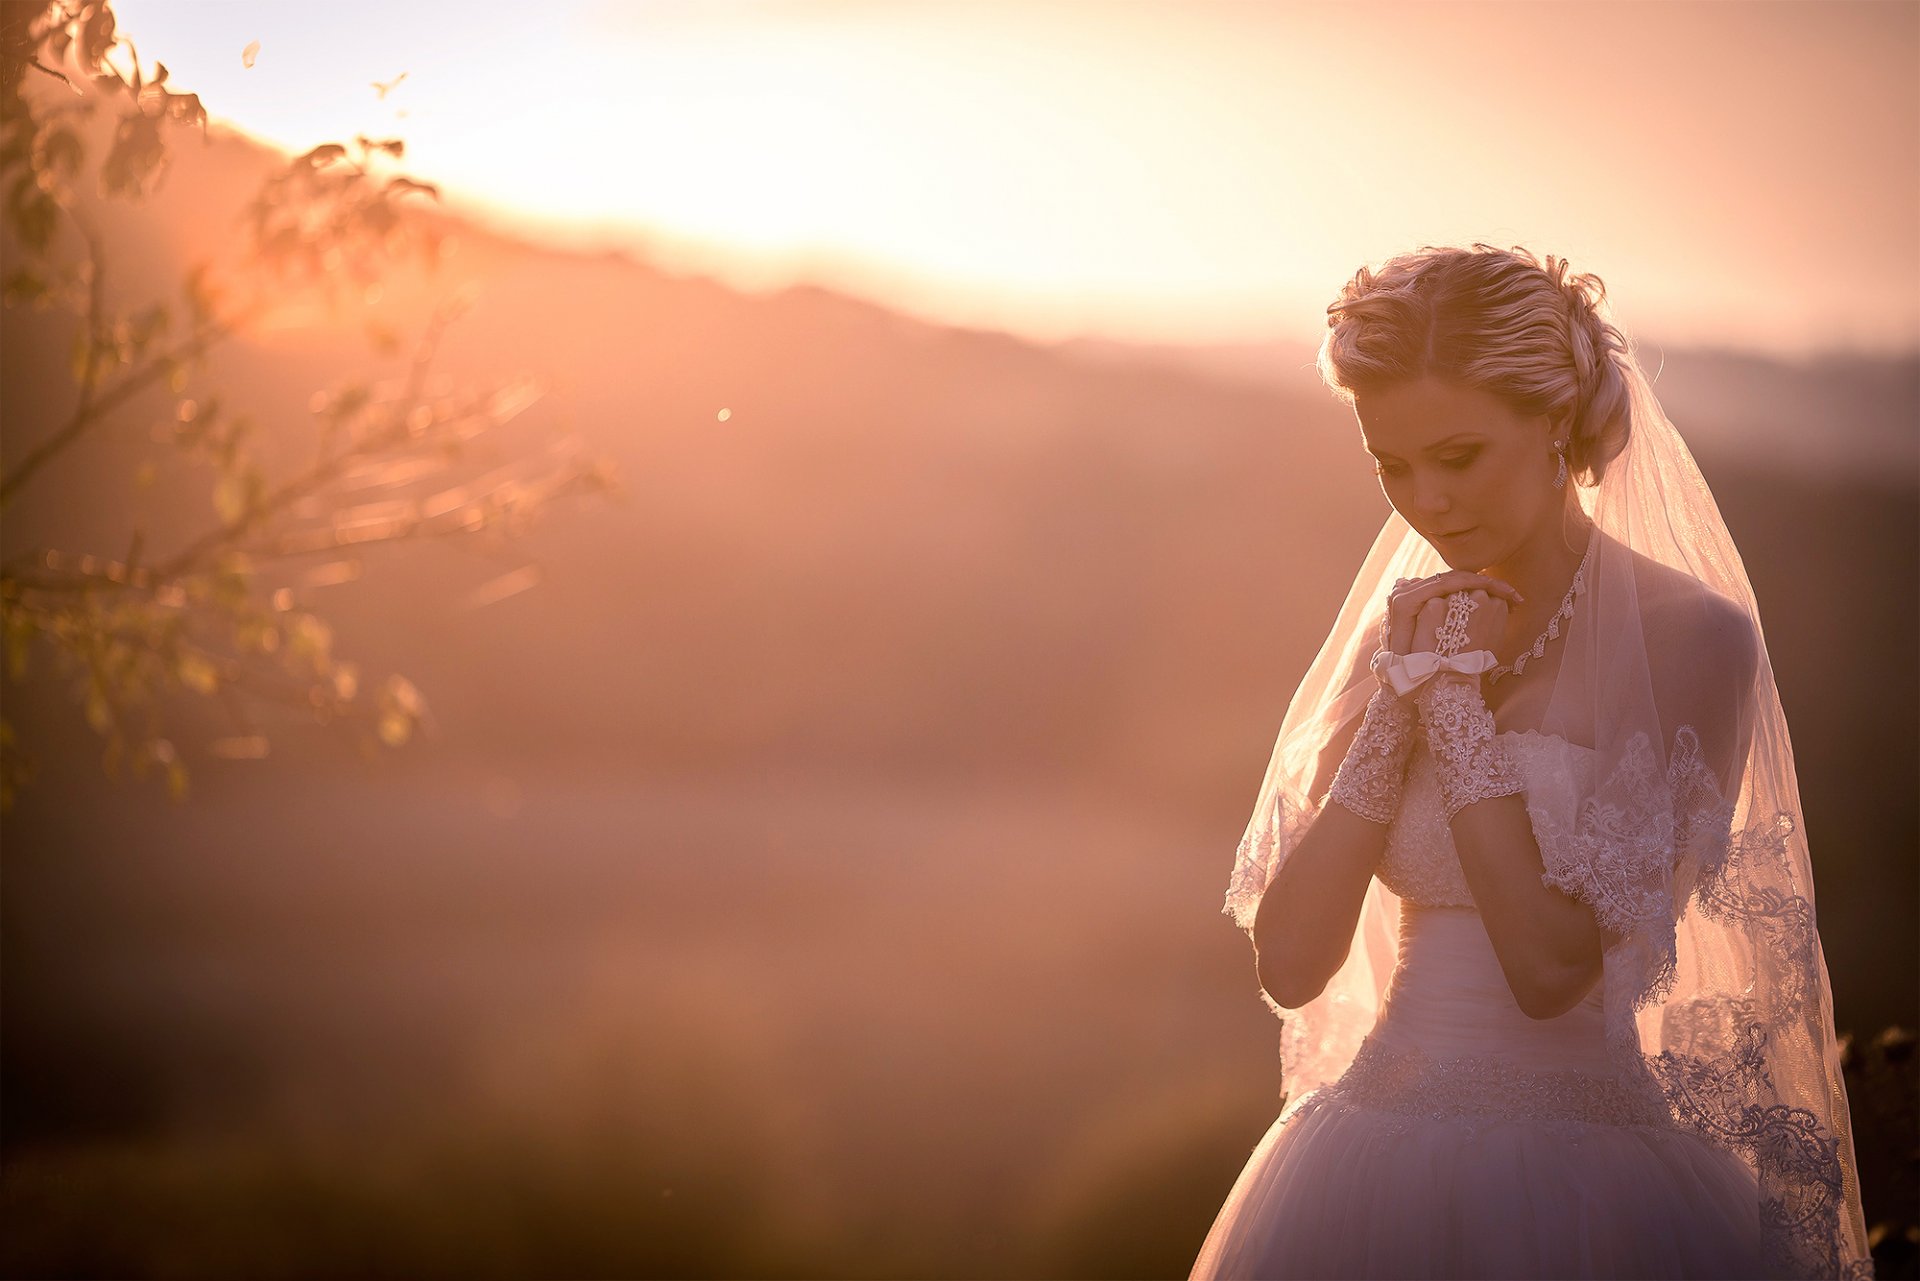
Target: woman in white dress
{"x":1526,"y":879}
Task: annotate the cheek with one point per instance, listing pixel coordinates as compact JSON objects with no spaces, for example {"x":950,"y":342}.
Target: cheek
{"x":1500,"y":490}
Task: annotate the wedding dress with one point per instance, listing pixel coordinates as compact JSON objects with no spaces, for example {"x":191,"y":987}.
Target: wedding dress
{"x":1688,"y":1118}
{"x":1467,"y":1139}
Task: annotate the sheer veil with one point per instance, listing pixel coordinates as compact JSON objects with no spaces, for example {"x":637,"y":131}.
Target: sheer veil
{"x":1682,"y":830}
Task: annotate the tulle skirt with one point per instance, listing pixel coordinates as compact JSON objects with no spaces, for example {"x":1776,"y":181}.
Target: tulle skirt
{"x":1468,"y":1140}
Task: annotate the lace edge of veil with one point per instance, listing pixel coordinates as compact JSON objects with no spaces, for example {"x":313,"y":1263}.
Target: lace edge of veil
{"x":1639,"y":845}
{"x":1634,"y":847}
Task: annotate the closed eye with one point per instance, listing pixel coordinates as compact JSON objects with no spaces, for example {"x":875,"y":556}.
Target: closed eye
{"x":1456,"y":462}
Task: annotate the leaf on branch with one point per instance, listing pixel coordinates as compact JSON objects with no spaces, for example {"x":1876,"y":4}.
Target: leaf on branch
{"x":239,"y":492}
{"x":311,"y":639}
{"x":400,"y":709}
{"x":137,"y":160}
{"x":196,"y":673}
{"x":230,"y":582}
{"x":185,"y":109}
{"x":33,"y":212}
{"x":324,"y":154}
{"x":99,"y":712}
{"x":23,"y":286}
{"x":401,"y":186}
{"x":96,"y":37}
{"x":59,"y":151}
{"x":20,"y":631}
{"x":257,"y":635}
{"x":201,"y":295}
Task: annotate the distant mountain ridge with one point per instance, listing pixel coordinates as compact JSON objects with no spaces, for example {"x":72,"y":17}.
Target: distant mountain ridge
{"x":1855,"y":415}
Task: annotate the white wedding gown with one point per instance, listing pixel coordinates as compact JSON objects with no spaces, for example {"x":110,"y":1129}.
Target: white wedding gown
{"x":1469,"y":1140}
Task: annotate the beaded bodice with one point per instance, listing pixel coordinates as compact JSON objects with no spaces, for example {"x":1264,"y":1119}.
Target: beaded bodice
{"x":1421,"y":863}
{"x":1452,"y":1046}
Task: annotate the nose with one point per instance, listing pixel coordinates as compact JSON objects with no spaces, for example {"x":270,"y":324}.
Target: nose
{"x":1430,"y":497}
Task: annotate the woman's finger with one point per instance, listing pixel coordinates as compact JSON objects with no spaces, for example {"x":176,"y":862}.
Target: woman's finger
{"x":1399,"y":629}
{"x":1427,"y":623}
{"x":1413,"y":595}
{"x":1403,"y":608}
{"x":1410,"y":596}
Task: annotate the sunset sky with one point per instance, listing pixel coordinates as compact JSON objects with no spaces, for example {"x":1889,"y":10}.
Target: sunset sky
{"x":1740,"y":173}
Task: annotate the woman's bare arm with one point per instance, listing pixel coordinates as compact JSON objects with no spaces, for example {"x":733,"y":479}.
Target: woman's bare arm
{"x":1548,"y":942}
{"x":1304,"y":925}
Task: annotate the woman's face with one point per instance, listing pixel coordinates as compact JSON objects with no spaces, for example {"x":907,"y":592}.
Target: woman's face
{"x":1469,"y":473}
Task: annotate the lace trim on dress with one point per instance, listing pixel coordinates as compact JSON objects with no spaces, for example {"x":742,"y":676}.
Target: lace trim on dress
{"x":1634,"y":841}
{"x":1261,"y":853}
{"x":1369,"y":779}
{"x":1473,"y":761}
{"x":1473,"y":1091}
{"x":1619,"y":856}
{"x":1623,"y":854}
{"x":1420,"y":863}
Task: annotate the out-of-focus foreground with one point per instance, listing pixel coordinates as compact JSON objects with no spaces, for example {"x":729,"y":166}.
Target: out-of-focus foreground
{"x":818,"y":871}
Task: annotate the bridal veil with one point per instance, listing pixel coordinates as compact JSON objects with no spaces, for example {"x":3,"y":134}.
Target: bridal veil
{"x":1685,"y":838}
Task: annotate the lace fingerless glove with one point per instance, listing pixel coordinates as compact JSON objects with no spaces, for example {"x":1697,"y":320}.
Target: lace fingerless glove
{"x":1369,"y":779}
{"x":1473,"y":763}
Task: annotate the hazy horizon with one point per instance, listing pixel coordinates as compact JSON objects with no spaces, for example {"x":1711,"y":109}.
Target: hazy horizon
{"x":1196,"y":175}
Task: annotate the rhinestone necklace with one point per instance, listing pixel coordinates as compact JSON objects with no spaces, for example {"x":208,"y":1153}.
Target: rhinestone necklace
{"x":1561,"y":615}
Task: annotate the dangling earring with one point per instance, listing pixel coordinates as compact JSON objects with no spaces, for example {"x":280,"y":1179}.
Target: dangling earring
{"x":1560,"y":477}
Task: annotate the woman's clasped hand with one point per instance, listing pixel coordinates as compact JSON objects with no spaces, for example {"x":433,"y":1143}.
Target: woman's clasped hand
{"x":1417,"y":614}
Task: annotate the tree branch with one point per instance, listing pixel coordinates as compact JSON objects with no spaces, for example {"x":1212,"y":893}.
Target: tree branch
{"x":91,"y":412}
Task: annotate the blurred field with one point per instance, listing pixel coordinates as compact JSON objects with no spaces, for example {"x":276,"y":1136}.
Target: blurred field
{"x":818,"y":873}
{"x":643,"y":1025}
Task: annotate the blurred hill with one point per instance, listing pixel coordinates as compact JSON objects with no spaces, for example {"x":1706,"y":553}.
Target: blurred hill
{"x":913,"y":548}
{"x":911,"y":556}
{"x":1837,"y":414}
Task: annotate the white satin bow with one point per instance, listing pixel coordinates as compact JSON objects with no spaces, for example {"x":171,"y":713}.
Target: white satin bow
{"x":1407,"y":672}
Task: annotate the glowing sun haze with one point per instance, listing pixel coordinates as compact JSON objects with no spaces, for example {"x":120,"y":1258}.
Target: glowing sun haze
{"x":1181,"y":172}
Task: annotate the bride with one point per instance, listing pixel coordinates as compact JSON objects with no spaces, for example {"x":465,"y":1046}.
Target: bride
{"x":1526,"y":880}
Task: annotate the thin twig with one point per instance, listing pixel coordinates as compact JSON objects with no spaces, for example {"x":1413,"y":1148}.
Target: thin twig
{"x":121,"y":391}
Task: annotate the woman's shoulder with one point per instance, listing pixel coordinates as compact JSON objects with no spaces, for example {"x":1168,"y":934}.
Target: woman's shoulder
{"x":1691,"y":626}
{"x":1674,"y":596}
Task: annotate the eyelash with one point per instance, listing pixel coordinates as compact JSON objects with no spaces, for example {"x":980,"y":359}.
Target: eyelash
{"x":1459,"y":462}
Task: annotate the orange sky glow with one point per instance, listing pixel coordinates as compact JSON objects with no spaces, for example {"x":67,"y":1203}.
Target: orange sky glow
{"x":1744,"y":174}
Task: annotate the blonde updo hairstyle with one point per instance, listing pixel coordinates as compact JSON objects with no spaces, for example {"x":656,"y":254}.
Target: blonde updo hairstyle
{"x":1492,"y":319}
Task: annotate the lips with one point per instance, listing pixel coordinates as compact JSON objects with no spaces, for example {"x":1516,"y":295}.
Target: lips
{"x":1462,"y":533}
